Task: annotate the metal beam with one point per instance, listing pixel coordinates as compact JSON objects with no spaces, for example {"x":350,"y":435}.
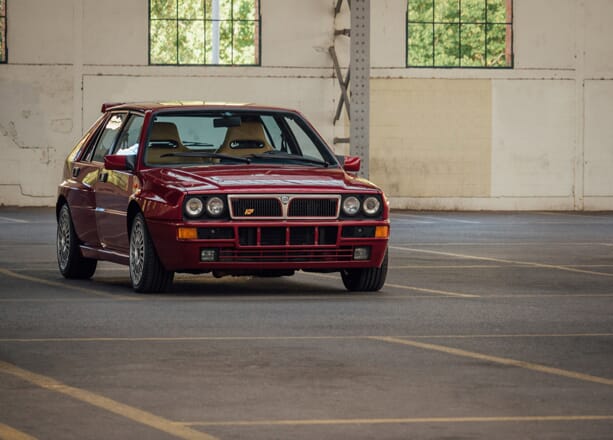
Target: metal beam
{"x":360,"y":83}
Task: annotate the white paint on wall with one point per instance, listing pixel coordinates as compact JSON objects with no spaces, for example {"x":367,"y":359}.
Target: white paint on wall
{"x":550,"y":134}
{"x":533,"y":138}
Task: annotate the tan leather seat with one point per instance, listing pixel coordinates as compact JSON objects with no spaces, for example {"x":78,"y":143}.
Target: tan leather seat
{"x":248,"y":138}
{"x":165,"y":131}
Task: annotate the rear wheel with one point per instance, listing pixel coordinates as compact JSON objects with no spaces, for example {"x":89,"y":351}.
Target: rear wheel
{"x":369,"y":279}
{"x":70,"y":261}
{"x":146,"y":270}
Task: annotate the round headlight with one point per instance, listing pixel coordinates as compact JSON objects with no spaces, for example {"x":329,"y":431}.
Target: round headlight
{"x":194,"y":207}
{"x":371,"y":206}
{"x":351,"y":205}
{"x":215,"y":206}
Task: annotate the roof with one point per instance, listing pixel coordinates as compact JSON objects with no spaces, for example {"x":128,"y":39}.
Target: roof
{"x":183,"y":105}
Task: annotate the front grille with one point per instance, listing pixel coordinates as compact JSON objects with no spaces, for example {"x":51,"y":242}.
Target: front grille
{"x":279,"y":236}
{"x":286,"y":255}
{"x":312,"y":208}
{"x":256,"y":207}
{"x":284,"y":206}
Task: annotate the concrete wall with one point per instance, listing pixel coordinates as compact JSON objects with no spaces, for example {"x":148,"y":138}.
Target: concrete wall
{"x":534,"y":137}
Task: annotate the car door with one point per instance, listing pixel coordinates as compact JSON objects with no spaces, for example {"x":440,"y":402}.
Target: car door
{"x":112,"y":188}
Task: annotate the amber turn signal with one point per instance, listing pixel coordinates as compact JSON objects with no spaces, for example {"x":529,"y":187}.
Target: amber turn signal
{"x":382,"y":232}
{"x":187,"y":233}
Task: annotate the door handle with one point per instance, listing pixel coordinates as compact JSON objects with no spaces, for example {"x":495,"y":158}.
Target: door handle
{"x":76,"y":171}
{"x":103,"y":177}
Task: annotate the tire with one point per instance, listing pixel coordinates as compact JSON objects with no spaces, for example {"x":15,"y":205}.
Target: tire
{"x":147,"y":273}
{"x":70,"y":261}
{"x":370,"y":279}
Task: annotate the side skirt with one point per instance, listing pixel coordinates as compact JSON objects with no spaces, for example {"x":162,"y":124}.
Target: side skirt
{"x":102,"y":254}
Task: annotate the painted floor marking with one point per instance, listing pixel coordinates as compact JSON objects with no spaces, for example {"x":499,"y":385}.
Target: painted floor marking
{"x":412,"y":288}
{"x":8,"y":433}
{"x":12,"y":220}
{"x":502,"y":260}
{"x":10,"y":273}
{"x":429,"y":420}
{"x":497,"y":360}
{"x":105,"y":403}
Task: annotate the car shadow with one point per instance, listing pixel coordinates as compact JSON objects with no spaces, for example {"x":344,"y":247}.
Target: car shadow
{"x":207,"y":286}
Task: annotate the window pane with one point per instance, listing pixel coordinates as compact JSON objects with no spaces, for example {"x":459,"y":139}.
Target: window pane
{"x":447,"y":11}
{"x":497,"y":55}
{"x":421,"y":38}
{"x":219,"y":9}
{"x":497,"y":11}
{"x":163,"y":8}
{"x":191,"y":9}
{"x":221,"y":32}
{"x":421,"y":10}
{"x":244,"y":10}
{"x":107,"y":139}
{"x":191,"y":42}
{"x":128,"y":140}
{"x":446,"y":45}
{"x":163,"y":42}
{"x":473,"y":45}
{"x":473,"y":11}
{"x":245,"y":37}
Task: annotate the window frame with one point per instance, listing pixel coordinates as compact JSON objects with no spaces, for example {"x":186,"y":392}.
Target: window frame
{"x":485,"y":23}
{"x":4,"y":51}
{"x":258,"y":49}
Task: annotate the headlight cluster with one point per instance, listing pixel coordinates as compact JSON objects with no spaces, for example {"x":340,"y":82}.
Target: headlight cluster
{"x":195,"y":207}
{"x":369,"y":206}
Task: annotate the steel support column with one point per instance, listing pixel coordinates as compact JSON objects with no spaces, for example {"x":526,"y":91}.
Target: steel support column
{"x":360,"y":82}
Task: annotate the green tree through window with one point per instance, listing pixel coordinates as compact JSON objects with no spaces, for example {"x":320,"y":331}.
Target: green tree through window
{"x":460,"y":33}
{"x":204,"y":32}
{"x":2,"y":31}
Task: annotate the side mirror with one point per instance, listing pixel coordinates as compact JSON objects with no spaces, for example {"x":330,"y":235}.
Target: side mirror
{"x":119,"y":162}
{"x":352,"y":164}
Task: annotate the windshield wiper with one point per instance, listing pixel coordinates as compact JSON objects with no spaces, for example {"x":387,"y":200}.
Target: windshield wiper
{"x":208,"y":154}
{"x":286,"y":156}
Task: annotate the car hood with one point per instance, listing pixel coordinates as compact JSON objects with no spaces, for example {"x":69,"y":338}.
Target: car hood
{"x":246,"y":179}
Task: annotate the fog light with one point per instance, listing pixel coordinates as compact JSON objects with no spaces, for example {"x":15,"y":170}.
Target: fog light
{"x":208,"y":254}
{"x":361,"y":253}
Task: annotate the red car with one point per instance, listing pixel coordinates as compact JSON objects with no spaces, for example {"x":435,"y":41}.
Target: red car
{"x":225,"y":189}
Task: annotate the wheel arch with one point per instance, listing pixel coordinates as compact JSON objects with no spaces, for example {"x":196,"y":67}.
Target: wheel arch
{"x":133,"y":210}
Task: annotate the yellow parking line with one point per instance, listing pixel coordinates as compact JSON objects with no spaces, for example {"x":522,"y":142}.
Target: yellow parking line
{"x":10,"y":273}
{"x":412,"y":288}
{"x":502,"y":260}
{"x":410,"y":420}
{"x":123,"y":410}
{"x":8,"y":433}
{"x":497,"y":360}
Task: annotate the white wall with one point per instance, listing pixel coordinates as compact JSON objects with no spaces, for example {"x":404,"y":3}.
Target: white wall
{"x":534,"y":137}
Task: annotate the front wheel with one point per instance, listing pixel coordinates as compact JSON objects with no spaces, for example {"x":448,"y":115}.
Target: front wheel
{"x":369,"y":279}
{"x":147,"y":273}
{"x":69,"y":259}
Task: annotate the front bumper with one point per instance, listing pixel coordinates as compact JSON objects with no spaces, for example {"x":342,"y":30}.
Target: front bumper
{"x":273,"y":245}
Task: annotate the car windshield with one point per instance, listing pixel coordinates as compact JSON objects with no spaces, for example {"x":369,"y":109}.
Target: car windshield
{"x":237,"y":137}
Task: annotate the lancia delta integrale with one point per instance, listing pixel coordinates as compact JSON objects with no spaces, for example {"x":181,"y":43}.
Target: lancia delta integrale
{"x":222,"y":189}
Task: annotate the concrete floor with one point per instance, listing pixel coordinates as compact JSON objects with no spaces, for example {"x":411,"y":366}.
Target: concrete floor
{"x":491,"y":326}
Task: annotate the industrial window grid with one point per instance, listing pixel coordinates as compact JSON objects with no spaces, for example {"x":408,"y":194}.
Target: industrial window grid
{"x":444,"y":33}
{"x":3,"y":31}
{"x":176,"y":22}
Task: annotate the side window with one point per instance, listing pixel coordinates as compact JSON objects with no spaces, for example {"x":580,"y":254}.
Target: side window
{"x":130,"y":135}
{"x":108,"y":137}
